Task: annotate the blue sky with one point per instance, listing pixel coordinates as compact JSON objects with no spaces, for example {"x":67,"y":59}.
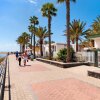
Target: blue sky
{"x":15,"y":14}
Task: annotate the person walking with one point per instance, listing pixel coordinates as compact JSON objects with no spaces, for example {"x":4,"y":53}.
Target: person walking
{"x":16,"y":55}
{"x":25,"y":58}
{"x":19,"y":59}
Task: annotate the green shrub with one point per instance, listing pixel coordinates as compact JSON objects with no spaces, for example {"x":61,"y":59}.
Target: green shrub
{"x":62,"y":54}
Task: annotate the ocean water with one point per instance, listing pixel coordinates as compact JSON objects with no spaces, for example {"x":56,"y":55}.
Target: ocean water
{"x":2,"y":55}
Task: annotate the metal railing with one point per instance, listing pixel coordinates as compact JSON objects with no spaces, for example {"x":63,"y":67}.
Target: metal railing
{"x":85,"y":56}
{"x":3,"y":67}
{"x":99,"y":58}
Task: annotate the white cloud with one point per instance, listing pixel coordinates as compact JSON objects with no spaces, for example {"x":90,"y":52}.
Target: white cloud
{"x":33,"y":1}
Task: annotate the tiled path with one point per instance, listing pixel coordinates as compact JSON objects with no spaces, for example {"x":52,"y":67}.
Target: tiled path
{"x":40,"y":81}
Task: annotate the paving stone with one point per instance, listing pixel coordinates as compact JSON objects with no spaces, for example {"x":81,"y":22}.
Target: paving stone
{"x":40,"y":81}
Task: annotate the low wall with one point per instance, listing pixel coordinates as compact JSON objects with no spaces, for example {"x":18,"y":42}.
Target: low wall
{"x":61,"y":64}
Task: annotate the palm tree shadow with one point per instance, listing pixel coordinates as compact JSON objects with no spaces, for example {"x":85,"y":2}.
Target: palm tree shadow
{"x":28,"y":65}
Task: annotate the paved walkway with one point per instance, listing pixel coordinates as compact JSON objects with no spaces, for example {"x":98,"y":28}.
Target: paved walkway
{"x":40,"y":81}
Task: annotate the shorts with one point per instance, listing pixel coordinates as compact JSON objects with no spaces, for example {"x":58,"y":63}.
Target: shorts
{"x":25,"y":59}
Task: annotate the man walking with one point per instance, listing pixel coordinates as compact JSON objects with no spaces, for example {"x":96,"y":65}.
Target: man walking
{"x":16,"y":55}
{"x":19,"y":59}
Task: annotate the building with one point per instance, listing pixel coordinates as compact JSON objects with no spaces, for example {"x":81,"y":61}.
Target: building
{"x":55,"y":47}
{"x":93,"y":53}
{"x":79,"y":47}
{"x":37,"y":50}
{"x":96,"y":38}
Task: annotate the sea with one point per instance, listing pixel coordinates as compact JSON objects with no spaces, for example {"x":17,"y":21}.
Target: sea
{"x":2,"y":55}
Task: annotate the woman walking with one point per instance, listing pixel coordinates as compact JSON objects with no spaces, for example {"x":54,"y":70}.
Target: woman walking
{"x":25,"y":58}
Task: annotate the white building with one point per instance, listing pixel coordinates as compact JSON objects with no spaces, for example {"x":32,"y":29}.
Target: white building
{"x":74,"y":47}
{"x":90,"y":54}
{"x":96,"y":38}
{"x":55,"y":47}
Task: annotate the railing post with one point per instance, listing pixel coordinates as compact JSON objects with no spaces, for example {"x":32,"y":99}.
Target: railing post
{"x":96,"y":58}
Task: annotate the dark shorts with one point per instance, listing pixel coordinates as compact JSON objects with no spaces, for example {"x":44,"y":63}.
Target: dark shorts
{"x":19,"y":59}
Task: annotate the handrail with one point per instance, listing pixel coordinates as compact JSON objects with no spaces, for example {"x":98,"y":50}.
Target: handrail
{"x":3,"y":67}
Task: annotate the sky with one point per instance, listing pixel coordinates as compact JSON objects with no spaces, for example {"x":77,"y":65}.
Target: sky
{"x":15,"y":15}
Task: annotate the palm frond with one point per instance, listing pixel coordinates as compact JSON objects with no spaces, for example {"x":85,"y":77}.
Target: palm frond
{"x":48,"y":9}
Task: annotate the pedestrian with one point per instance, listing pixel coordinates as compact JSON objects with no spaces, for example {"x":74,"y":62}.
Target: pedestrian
{"x":16,"y":55}
{"x":28,"y":54}
{"x":19,"y":59}
{"x":8,"y":54}
{"x":25,"y":58}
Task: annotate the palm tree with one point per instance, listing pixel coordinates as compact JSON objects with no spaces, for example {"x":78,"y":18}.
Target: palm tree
{"x":95,"y":29}
{"x":96,"y":26}
{"x":26,"y":38}
{"x":48,"y":10}
{"x":31,"y":29}
{"x":77,"y":30}
{"x":23,"y":40}
{"x":88,"y":35}
{"x":20,"y":42}
{"x":72,"y":36}
{"x":41,"y":33}
{"x":87,"y":43}
{"x":46,"y":42}
{"x":34,"y":21}
{"x":67,"y":2}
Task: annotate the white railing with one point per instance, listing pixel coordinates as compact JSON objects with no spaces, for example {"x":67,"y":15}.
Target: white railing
{"x":85,"y":56}
{"x":98,"y":58}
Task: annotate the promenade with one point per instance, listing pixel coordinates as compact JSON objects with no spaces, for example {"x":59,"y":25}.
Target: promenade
{"x":40,"y":81}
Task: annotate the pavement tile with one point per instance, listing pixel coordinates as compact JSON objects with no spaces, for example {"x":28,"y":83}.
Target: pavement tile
{"x":67,"y":89}
{"x":41,"y":81}
{"x":33,"y":68}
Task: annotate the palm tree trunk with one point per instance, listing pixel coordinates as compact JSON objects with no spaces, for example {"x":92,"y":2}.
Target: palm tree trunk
{"x":73,"y":42}
{"x":31,"y":41}
{"x":76,"y":44}
{"x":67,"y":28}
{"x":49,"y":30}
{"x":34,"y":43}
{"x":26,"y":46}
{"x":23,"y":48}
{"x":41,"y":51}
{"x":92,"y":43}
{"x":20,"y":47}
